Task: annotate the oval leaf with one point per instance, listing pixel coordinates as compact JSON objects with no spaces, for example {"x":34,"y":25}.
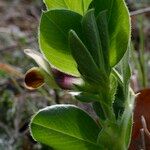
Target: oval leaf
{"x":119,"y":26}
{"x":79,"y":6}
{"x":65,"y":127}
{"x":53,"y":38}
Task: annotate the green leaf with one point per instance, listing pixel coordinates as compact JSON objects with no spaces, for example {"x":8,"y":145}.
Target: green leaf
{"x":92,"y":38}
{"x":104,"y":37}
{"x":113,"y":87}
{"x":129,"y":132}
{"x":53,"y":38}
{"x":110,"y":137}
{"x":86,"y":64}
{"x":127,"y":119}
{"x":126,"y":73}
{"x":65,"y":127}
{"x":99,"y":110}
{"x":119,"y":26}
{"x":79,"y":6}
{"x":87,"y":97}
{"x":119,"y":102}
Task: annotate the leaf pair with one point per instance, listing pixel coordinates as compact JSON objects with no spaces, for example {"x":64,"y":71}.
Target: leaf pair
{"x":54,"y":28}
{"x":89,"y":44}
{"x":91,"y":54}
{"x":54,"y":42}
{"x":55,"y":25}
{"x":119,"y":26}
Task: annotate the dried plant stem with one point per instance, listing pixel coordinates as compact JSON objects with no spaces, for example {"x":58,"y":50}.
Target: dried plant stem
{"x":11,"y":70}
{"x":140,"y":11}
{"x":145,"y":126}
{"x":143,"y":139}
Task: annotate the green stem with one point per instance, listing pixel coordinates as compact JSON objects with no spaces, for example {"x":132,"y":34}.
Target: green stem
{"x":106,"y":104}
{"x":126,"y":117}
{"x":108,"y":111}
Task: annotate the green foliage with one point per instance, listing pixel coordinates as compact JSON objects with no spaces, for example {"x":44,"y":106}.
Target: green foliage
{"x":105,"y":134}
{"x":90,"y":71}
{"x":102,"y":25}
{"x":54,"y":33}
{"x":113,"y":87}
{"x":79,"y":6}
{"x":53,"y":38}
{"x":126,"y":73}
{"x":99,"y":110}
{"x":87,"y":97}
{"x":90,"y":31}
{"x":87,"y":42}
{"x":119,"y":27}
{"x":65,"y":127}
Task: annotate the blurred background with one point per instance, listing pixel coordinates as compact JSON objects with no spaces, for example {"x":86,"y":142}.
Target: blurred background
{"x":19,"y":21}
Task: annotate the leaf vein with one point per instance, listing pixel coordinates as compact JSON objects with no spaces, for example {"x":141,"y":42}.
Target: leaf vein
{"x":73,"y":136}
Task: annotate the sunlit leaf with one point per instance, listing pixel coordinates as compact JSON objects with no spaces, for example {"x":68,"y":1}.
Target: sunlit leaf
{"x":53,"y":38}
{"x":79,"y":6}
{"x":65,"y":127}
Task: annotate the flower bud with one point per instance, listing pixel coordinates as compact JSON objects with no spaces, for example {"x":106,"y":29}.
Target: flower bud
{"x":65,"y":81}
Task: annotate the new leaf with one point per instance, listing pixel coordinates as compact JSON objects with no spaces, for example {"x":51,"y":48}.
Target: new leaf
{"x":118,"y":25}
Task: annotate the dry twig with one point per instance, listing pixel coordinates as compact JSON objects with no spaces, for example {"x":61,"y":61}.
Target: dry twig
{"x":143,"y":139}
{"x":140,"y":11}
{"x":145,"y":126}
{"x":11,"y":70}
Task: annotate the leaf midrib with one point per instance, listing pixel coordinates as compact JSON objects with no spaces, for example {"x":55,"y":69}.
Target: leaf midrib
{"x":65,"y":134}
